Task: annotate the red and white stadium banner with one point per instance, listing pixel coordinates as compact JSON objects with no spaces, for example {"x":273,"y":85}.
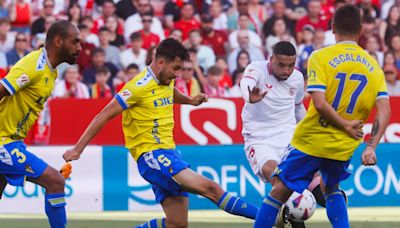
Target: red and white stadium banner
{"x":215,"y":122}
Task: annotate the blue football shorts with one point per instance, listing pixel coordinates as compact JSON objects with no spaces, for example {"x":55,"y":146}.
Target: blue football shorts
{"x":16,"y":163}
{"x":297,"y":170}
{"x":158,"y":168}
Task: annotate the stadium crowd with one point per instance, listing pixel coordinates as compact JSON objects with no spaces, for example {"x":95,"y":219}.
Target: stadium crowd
{"x":223,"y":36}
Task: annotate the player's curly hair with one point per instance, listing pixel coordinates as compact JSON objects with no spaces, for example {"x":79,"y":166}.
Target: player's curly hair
{"x":170,"y":49}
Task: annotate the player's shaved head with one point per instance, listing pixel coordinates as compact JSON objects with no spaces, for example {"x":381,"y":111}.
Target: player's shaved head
{"x":284,"y":48}
{"x":60,"y":28}
{"x":347,"y":20}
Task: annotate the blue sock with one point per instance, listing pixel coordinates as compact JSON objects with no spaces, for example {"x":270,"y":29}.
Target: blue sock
{"x":55,"y":210}
{"x":337,"y":210}
{"x":266,"y":216}
{"x":235,"y":205}
{"x":154,"y":223}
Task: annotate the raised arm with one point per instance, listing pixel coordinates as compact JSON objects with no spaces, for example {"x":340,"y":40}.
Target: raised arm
{"x":110,"y":111}
{"x":381,"y":121}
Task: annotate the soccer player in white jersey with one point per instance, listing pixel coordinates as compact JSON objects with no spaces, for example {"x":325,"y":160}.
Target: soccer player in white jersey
{"x":273,"y":92}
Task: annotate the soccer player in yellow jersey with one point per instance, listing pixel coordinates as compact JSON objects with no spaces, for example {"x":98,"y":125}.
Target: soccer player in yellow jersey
{"x":146,"y":103}
{"x":22,"y":94}
{"x":345,"y":83}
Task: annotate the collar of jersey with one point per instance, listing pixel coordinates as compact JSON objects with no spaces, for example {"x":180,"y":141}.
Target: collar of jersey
{"x":348,"y":42}
{"x":47,"y":59}
{"x":152,"y":74}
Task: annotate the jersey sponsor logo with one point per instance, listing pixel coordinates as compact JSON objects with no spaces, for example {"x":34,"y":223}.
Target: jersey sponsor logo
{"x":145,"y":80}
{"x":22,"y":80}
{"x":163,"y":102}
{"x":41,"y":62}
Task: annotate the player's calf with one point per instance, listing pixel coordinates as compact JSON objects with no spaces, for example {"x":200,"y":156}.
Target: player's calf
{"x":336,"y":209}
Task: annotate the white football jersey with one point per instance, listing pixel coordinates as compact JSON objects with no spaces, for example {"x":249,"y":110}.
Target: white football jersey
{"x":272,"y":119}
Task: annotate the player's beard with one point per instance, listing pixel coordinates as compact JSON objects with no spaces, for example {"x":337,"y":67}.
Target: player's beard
{"x":68,"y":56}
{"x":164,"y":78}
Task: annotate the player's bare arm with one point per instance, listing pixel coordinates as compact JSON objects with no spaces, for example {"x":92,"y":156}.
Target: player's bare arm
{"x":3,"y":92}
{"x":110,"y":111}
{"x":352,"y":127}
{"x":180,"y":98}
{"x":382,"y":118}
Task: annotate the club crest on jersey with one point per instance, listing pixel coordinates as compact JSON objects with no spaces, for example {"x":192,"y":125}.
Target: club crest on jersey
{"x":22,"y":80}
{"x":292,"y":91}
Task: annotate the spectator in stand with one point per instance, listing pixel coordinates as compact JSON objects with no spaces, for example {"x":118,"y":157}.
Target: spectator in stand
{"x":84,"y":57}
{"x":390,"y":25}
{"x":205,"y":55}
{"x":317,"y":43}
{"x":115,"y":38}
{"x":280,"y":32}
{"x":100,"y":89}
{"x":74,"y":13}
{"x":296,"y":9}
{"x":369,"y":28}
{"x":176,"y":34}
{"x":134,"y":23}
{"x":243,"y":59}
{"x":389,"y":58}
{"x":188,"y":21}
{"x":151,"y":54}
{"x":59,"y":6}
{"x":3,"y":63}
{"x":243,"y":22}
{"x":38,"y":24}
{"x":220,"y":20}
{"x":394,"y":46}
{"x":242,"y":7}
{"x":386,"y":8}
{"x":235,"y":91}
{"x":308,"y":37}
{"x":279,"y":9}
{"x":4,"y":9}
{"x":313,"y":18}
{"x":211,"y":85}
{"x":244,"y":44}
{"x":215,"y":39}
{"x":112,"y":52}
{"x":393,"y":85}
{"x":135,"y":54}
{"x":89,"y":36}
{"x":126,"y":8}
{"x":187,"y":83}
{"x":20,"y":16}
{"x":226,"y":81}
{"x":129,"y":73}
{"x":258,"y":13}
{"x":372,"y":47}
{"x":7,"y":38}
{"x":149,"y":38}
{"x":368,"y":8}
{"x":99,"y":60}
{"x":71,"y":86}
{"x":39,"y":39}
{"x":20,"y":49}
{"x":172,"y":11}
{"x":108,"y":10}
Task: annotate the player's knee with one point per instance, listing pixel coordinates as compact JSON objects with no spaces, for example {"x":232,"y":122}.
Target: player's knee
{"x":56,"y":183}
{"x":280,"y":192}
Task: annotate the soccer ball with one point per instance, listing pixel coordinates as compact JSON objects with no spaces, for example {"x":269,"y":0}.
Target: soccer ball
{"x":301,"y":206}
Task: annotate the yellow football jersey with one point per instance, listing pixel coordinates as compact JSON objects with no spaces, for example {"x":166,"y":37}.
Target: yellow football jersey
{"x":30,"y":82}
{"x":352,"y":81}
{"x":148,"y":119}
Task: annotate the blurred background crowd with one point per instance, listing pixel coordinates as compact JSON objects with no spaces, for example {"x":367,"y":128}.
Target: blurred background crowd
{"x":223,"y":36}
